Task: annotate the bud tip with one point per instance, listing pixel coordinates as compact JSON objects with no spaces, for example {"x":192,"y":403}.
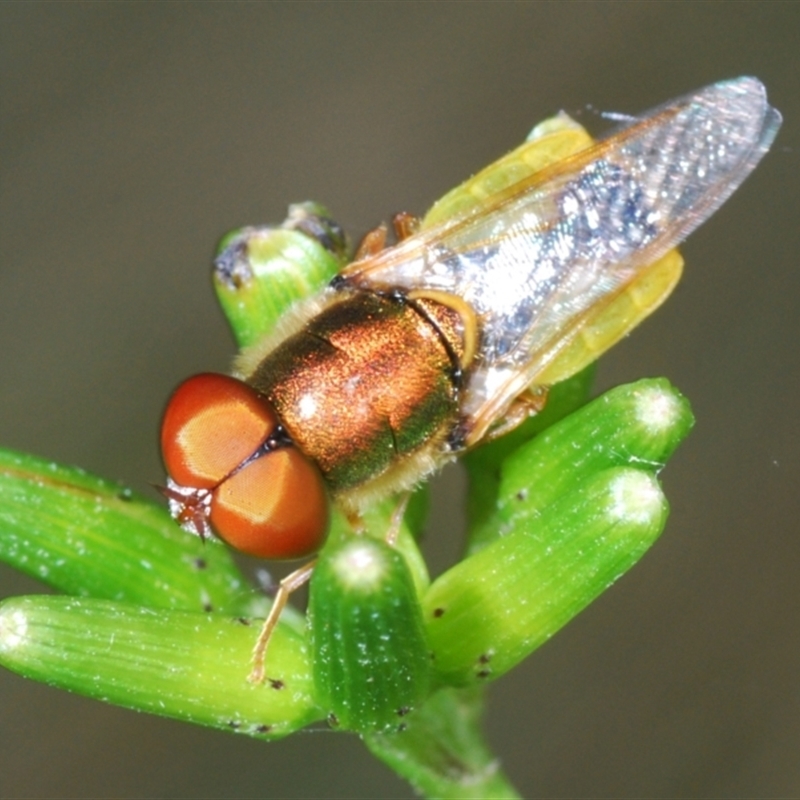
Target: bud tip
{"x":657,"y":409}
{"x":635,"y":497}
{"x":13,"y":629}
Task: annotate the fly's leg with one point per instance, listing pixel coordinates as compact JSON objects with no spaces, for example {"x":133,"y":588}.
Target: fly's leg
{"x":405,"y":225}
{"x":289,"y":584}
{"x":373,"y":242}
{"x":396,"y":521}
{"x":527,"y":404}
{"x":354,"y":519}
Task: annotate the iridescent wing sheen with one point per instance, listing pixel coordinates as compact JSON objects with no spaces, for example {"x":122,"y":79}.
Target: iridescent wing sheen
{"x":539,"y":257}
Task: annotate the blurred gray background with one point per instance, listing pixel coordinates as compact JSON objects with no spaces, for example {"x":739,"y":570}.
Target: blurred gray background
{"x":134,"y":135}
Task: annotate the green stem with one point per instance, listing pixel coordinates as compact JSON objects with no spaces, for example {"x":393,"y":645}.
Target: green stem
{"x":442,"y":753}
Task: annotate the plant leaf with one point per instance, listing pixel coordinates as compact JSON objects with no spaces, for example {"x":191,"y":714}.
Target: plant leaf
{"x":190,"y":666}
{"x":88,"y":537}
{"x":493,"y":609}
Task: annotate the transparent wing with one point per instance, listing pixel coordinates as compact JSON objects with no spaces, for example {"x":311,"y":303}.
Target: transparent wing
{"x":536,"y":258}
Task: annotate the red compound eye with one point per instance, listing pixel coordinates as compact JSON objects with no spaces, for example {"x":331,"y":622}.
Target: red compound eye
{"x":274,"y":508}
{"x":233,"y":466}
{"x":211,"y":425}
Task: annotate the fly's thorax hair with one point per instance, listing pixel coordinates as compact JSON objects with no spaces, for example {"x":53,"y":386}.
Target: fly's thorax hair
{"x":291,"y":322}
{"x":404,"y":475}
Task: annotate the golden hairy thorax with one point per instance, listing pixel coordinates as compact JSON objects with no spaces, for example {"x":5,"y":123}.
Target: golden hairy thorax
{"x":365,"y":383}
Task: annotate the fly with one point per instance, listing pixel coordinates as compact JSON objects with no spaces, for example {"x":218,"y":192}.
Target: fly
{"x":418,"y":352}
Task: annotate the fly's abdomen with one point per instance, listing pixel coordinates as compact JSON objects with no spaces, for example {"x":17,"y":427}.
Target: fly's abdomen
{"x":368,"y":381}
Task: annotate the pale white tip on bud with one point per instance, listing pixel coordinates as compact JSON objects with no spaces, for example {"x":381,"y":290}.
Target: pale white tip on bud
{"x":636,"y":498}
{"x":656,"y":409}
{"x":13,"y":629}
{"x":360,"y":565}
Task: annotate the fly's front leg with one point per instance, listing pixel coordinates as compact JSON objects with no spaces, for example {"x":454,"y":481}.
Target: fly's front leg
{"x":396,"y":521}
{"x":359,"y":526}
{"x":288,"y":585}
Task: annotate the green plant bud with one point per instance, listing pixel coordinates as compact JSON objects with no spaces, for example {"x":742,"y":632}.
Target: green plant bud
{"x":259,"y":272}
{"x":379,"y":519}
{"x":89,"y":537}
{"x":189,"y":666}
{"x":371,"y":661}
{"x":491,"y":610}
{"x":484,"y":463}
{"x":639,"y":424}
{"x":562,"y":399}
